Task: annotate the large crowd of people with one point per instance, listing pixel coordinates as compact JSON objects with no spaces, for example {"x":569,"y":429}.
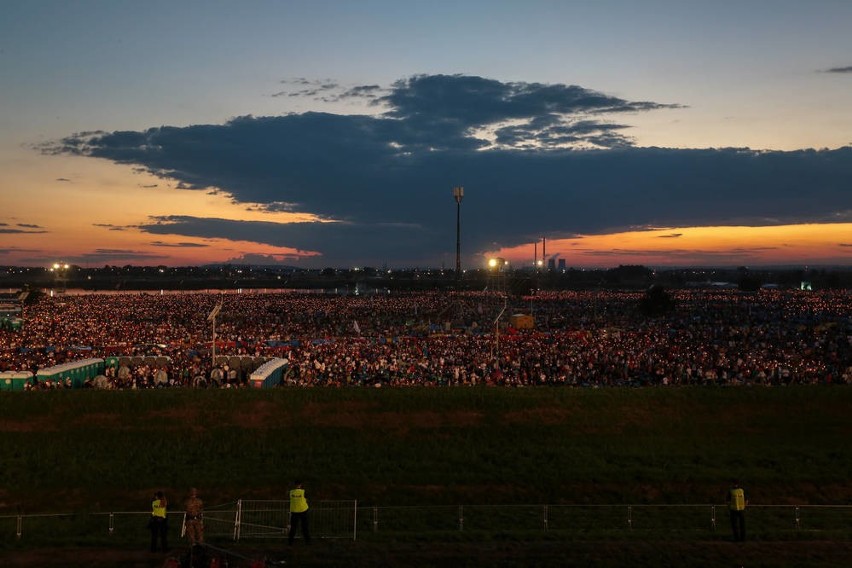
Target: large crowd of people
{"x":585,"y":338}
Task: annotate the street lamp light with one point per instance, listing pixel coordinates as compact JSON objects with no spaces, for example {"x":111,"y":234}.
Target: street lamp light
{"x":458,"y":194}
{"x":496,"y":266}
{"x":60,"y":274}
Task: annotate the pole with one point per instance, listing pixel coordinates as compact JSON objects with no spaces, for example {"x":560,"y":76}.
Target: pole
{"x":458,"y":194}
{"x":458,"y":240}
{"x":212,"y":318}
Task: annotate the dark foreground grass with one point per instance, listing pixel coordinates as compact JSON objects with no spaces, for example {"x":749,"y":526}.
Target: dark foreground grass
{"x":109,"y":450}
{"x":92,"y":452}
{"x":539,"y":553}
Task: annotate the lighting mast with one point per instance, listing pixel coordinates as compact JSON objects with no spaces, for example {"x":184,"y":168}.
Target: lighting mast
{"x":458,"y":194}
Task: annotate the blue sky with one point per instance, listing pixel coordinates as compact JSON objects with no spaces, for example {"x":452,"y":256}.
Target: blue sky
{"x":561,"y":119}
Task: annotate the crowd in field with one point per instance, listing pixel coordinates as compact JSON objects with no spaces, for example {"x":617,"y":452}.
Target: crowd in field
{"x":589,"y":338}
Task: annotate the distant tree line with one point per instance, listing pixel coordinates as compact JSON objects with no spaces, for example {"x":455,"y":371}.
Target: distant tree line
{"x":514,"y":281}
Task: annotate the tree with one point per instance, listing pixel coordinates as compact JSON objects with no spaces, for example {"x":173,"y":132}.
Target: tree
{"x":656,"y":302}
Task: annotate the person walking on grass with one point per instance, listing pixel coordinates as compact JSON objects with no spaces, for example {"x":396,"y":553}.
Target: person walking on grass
{"x":159,"y":522}
{"x":298,"y":514}
{"x":737,"y":503}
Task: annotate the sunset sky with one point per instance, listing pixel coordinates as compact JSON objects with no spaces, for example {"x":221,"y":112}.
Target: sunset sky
{"x":331,"y":133}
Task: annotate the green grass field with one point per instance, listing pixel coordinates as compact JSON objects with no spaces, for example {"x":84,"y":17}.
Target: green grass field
{"x":96,"y":451}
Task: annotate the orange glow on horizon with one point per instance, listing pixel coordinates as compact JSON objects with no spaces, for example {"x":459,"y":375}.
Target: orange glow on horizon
{"x":807,"y":244}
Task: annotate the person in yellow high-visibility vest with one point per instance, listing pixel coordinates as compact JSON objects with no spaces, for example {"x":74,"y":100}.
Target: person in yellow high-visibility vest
{"x":298,"y":514}
{"x":158,"y":522}
{"x":737,"y":503}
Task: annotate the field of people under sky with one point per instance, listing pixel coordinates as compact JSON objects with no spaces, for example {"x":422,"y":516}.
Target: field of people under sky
{"x":571,"y":339}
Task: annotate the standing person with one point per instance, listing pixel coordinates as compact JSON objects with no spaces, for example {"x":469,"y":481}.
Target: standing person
{"x":298,"y":513}
{"x":737,"y":503}
{"x":194,"y":522}
{"x":159,"y":522}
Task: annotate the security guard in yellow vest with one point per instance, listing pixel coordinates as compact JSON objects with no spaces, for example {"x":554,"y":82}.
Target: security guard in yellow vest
{"x":159,"y":522}
{"x":298,"y":513}
{"x":737,"y":503}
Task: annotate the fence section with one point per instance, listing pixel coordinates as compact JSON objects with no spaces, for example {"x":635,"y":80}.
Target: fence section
{"x":697,"y":518}
{"x":250,"y":519}
{"x":271,"y":519}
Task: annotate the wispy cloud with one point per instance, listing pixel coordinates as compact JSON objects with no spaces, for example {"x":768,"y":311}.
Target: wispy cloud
{"x":306,"y":88}
{"x":22,"y":230}
{"x":840,"y":70}
{"x":179,"y":245}
{"x":113,"y":255}
{"x":109,"y":226}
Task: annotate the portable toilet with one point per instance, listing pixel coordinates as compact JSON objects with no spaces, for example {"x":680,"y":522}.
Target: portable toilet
{"x":49,"y":373}
{"x":6,"y":380}
{"x":20,"y":380}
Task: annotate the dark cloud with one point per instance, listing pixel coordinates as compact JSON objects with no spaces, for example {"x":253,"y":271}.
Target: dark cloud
{"x":64,"y":179}
{"x":22,"y":231}
{"x":273,"y":207}
{"x":109,"y":226}
{"x":678,"y":255}
{"x":30,"y":226}
{"x":18,"y":251}
{"x":265,"y":260}
{"x":112,"y":255}
{"x":305,"y":88}
{"x":370,"y":92}
{"x":345,"y":243}
{"x":839,"y":70}
{"x":179,"y":245}
{"x":671,"y":236}
{"x":387,"y":179}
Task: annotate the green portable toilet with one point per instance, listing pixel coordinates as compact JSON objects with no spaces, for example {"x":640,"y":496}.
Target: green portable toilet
{"x":97,"y":367}
{"x":6,"y":380}
{"x":20,"y":380}
{"x":85,"y":370}
{"x":77,"y":375}
{"x":48,"y":374}
{"x":77,"y":371}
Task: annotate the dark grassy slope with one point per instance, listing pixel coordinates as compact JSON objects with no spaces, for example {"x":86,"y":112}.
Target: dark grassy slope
{"x":88,"y":450}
